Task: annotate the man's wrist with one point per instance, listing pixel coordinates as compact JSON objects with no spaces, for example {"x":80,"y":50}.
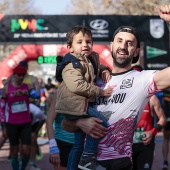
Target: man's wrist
{"x":52,"y":143}
{"x":158,"y":127}
{"x":78,"y":123}
{"x":154,"y":131}
{"x":54,"y":150}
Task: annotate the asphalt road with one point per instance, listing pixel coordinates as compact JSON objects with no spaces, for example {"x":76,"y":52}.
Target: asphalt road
{"x":45,"y":165}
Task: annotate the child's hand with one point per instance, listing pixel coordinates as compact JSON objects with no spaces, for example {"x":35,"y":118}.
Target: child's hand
{"x":106,"y":76}
{"x":106,"y":92}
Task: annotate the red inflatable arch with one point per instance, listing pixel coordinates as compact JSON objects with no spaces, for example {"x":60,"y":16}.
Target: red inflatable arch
{"x":31,"y":52}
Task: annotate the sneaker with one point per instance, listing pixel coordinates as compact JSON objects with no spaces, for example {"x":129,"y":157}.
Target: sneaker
{"x":165,"y":167}
{"x":39,"y":154}
{"x":89,"y":163}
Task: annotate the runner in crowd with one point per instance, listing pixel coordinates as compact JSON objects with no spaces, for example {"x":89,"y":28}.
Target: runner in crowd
{"x":166,"y":130}
{"x":60,"y":141}
{"x":124,"y":107}
{"x":18,"y":120}
{"x":49,"y":87}
{"x":32,"y":81}
{"x":37,"y":120}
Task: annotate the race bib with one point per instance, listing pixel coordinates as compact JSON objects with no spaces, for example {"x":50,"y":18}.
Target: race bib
{"x":18,"y":107}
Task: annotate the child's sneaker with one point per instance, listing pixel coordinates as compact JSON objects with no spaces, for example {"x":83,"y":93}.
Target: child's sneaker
{"x":88,"y":162}
{"x":165,"y":166}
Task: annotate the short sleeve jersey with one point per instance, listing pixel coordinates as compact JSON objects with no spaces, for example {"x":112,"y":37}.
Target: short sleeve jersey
{"x":131,"y":92}
{"x":18,"y":106}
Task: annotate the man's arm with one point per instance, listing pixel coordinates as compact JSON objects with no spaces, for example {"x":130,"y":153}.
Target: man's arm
{"x":54,"y":150}
{"x":90,"y":126}
{"x":51,"y":117}
{"x":156,"y":109}
{"x":9,"y":79}
{"x":162,"y":78}
{"x":164,"y":12}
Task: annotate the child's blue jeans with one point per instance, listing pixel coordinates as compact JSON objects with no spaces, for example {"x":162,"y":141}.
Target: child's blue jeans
{"x":80,"y":145}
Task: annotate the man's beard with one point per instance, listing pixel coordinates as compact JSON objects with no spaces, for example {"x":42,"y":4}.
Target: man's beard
{"x":122,"y":63}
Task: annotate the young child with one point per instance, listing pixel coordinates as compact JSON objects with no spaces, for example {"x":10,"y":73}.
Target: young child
{"x":77,"y":92}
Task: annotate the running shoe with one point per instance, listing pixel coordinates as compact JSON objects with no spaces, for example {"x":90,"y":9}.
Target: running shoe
{"x":88,"y":162}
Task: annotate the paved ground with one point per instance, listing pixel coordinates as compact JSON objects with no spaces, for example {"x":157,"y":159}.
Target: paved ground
{"x":45,"y":165}
{"x":42,"y":164}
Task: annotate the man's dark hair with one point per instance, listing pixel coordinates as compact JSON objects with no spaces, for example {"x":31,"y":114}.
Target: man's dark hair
{"x":75,"y":30}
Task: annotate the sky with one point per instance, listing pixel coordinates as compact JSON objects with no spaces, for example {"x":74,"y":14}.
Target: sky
{"x":52,"y":7}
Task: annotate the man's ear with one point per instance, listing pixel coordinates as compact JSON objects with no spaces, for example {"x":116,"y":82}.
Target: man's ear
{"x":136,"y":52}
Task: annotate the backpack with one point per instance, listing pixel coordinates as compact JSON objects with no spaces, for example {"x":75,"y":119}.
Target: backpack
{"x":68,"y":58}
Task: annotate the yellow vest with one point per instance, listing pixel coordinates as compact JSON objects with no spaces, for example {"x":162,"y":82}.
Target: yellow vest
{"x":28,"y":80}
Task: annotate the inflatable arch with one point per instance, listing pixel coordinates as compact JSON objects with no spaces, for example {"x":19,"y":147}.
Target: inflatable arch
{"x":29,"y":52}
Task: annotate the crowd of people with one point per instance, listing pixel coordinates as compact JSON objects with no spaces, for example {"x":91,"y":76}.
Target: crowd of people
{"x":97,"y":119}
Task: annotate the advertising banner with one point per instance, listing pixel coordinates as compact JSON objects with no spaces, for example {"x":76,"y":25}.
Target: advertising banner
{"x":52,"y":29}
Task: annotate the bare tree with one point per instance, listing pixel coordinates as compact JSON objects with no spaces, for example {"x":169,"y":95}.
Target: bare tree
{"x":18,"y":7}
{"x":14,"y":7}
{"x":117,"y":7}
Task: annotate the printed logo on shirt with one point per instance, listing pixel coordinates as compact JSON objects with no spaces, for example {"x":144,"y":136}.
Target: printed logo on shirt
{"x":127,"y":83}
{"x":116,"y":98}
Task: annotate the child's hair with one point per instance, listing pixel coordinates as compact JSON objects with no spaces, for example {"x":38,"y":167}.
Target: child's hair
{"x":75,"y":30}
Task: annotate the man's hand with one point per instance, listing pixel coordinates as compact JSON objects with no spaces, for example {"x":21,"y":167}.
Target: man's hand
{"x":55,"y":159}
{"x":91,"y":126}
{"x":148,"y":137}
{"x":164,"y":12}
{"x":106,"y":76}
